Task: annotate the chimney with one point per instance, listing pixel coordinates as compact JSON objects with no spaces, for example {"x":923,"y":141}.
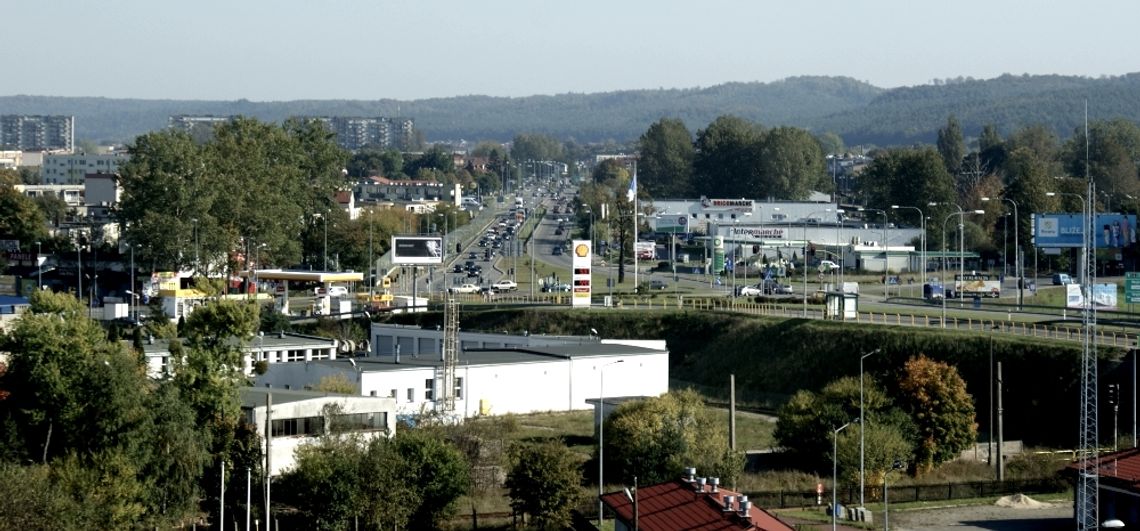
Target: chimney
{"x":728,"y":503}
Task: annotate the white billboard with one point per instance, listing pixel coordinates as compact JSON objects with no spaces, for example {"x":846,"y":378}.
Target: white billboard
{"x":580,"y":279}
{"x":417,"y":250}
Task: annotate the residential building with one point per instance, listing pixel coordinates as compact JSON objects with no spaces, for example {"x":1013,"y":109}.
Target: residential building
{"x":302,"y":417}
{"x":357,"y":132}
{"x":381,"y":189}
{"x":10,"y":160}
{"x":73,"y":168}
{"x":688,"y":503}
{"x":1118,"y":493}
{"x":346,"y":199}
{"x":37,"y":132}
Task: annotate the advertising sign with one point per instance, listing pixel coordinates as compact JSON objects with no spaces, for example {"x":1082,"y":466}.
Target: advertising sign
{"x":580,"y":257}
{"x":646,"y":250}
{"x":736,"y":205}
{"x":670,"y":223}
{"x":760,"y":233}
{"x":1103,"y":296}
{"x":1111,"y":231}
{"x":417,"y":250}
{"x":1073,"y":296}
{"x":718,"y":254}
{"x":979,"y":285}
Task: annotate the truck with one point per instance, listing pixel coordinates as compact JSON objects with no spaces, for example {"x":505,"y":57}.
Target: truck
{"x":977,"y":285}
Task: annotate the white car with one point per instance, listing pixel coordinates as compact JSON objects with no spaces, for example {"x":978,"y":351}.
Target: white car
{"x":505,"y":285}
{"x":751,"y":291}
{"x":828,"y":265}
{"x":333,"y":291}
{"x":466,"y":288}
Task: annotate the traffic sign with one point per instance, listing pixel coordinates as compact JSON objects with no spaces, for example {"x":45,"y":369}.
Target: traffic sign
{"x":1132,"y":287}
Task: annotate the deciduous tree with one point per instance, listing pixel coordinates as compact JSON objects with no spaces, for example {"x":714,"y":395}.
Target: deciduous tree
{"x":665,"y":158}
{"x":935,"y":396}
{"x":545,"y":482}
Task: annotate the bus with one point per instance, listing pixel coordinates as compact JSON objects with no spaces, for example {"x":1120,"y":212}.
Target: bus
{"x":977,"y":285}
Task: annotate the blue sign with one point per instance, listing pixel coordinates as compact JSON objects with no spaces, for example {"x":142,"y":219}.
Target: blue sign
{"x":1111,"y":231}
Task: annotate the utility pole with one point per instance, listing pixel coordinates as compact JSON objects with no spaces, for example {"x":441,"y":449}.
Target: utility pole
{"x":999,"y":462}
{"x":732,"y":411}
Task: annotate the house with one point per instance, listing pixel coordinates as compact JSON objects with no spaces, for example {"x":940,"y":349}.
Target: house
{"x":346,"y":199}
{"x":691,"y":503}
{"x":491,"y":381}
{"x":302,"y":417}
{"x":1118,"y":495}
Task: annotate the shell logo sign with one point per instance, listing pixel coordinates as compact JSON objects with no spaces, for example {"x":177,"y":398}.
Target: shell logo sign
{"x":580,"y":274}
{"x":582,"y":250}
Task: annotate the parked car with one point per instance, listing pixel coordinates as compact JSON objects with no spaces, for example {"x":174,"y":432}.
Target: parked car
{"x":557,"y":250}
{"x":556,"y":287}
{"x":505,"y":284}
{"x":1062,"y":279}
{"x":773,"y":287}
{"x":658,"y":284}
{"x":465,"y":288}
{"x":828,"y":265}
{"x":333,"y":291}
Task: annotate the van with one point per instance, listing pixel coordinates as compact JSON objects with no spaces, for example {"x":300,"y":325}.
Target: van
{"x":333,"y":291}
{"x":1062,"y":279}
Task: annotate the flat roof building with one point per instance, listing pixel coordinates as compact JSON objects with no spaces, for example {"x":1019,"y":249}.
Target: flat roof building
{"x":37,"y":132}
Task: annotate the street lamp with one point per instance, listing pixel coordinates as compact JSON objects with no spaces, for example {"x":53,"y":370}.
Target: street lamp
{"x":39,"y":267}
{"x":961,"y":254}
{"x":601,"y":431}
{"x":886,"y":248}
{"x":806,"y":219}
{"x":1016,"y":251}
{"x":862,"y":416}
{"x":835,"y":469}
{"x":922,"y":238}
{"x":197,"y":266}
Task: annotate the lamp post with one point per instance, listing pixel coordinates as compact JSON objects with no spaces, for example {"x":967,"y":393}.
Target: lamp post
{"x":886,"y":249}
{"x":835,"y":470}
{"x":862,"y":416}
{"x":196,"y":263}
{"x":79,"y":271}
{"x":922,"y":238}
{"x":839,"y":244}
{"x":748,"y":214}
{"x":806,"y":219}
{"x":1016,"y":251}
{"x":601,"y":431}
{"x":961,"y":252}
{"x":326,"y":219}
{"x":134,"y":304}
{"x":39,"y":267}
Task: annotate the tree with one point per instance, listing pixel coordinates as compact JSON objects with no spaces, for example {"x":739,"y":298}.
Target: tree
{"x":437,"y":473}
{"x":806,"y":421}
{"x":665,"y":158}
{"x":935,"y":396}
{"x":1113,"y":157}
{"x":20,"y":218}
{"x":1027,"y":179}
{"x":991,"y":148}
{"x":654,"y":438}
{"x":951,"y":146}
{"x":335,"y":383}
{"x":830,"y":143}
{"x":884,"y":444}
{"x":545,"y":482}
{"x":725,"y":162}
{"x":324,"y":484}
{"x":791,"y":164}
{"x":532,"y":146}
{"x":913,"y":177}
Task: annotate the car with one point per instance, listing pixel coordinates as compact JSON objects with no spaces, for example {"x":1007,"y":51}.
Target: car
{"x":557,"y":232}
{"x":472,"y":256}
{"x":658,"y":284}
{"x":751,"y":291}
{"x":456,"y":268}
{"x":505,"y":284}
{"x":557,"y":251}
{"x":772,"y":287}
{"x":465,"y":288}
{"x":828,"y":265}
{"x":333,"y":291}
{"x":1062,"y":279}
{"x":556,"y":287}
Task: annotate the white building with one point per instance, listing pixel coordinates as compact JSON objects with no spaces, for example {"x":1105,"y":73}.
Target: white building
{"x":73,"y":169}
{"x":494,"y":381}
{"x":270,"y":348}
{"x":301,"y":417}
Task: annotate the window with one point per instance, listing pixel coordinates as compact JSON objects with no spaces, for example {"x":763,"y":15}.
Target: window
{"x":459,"y":388}
{"x":429,"y":389}
{"x":377,"y":420}
{"x":411,"y":394}
{"x":304,"y":426}
{"x":372,"y":393}
{"x":393,"y":394}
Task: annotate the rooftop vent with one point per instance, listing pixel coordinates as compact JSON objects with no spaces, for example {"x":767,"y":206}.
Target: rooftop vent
{"x":690,"y":474}
{"x":699,"y":484}
{"x":714,"y":483}
{"x":745,"y":507}
{"x":728,"y":503}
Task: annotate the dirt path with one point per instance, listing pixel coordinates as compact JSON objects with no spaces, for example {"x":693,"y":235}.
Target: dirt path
{"x":985,"y":517}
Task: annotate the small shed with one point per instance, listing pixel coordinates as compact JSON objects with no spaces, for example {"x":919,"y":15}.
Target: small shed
{"x":841,"y":305}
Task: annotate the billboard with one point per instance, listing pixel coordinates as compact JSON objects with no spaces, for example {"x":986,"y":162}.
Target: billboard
{"x":417,"y":250}
{"x":580,"y":257}
{"x":1111,"y":231}
{"x":1103,"y":296}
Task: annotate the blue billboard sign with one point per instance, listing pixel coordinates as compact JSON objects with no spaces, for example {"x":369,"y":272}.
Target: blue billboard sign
{"x":1111,"y":231}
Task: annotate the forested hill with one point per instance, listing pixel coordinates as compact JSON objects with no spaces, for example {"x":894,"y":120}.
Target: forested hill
{"x":857,"y":111}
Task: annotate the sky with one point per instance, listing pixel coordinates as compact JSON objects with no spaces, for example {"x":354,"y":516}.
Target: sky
{"x":274,"y":50}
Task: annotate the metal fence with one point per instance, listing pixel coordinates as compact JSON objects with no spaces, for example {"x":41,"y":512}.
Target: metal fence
{"x":910,"y":493}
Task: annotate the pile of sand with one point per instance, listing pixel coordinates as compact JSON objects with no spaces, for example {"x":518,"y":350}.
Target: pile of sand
{"x":1021,"y":501}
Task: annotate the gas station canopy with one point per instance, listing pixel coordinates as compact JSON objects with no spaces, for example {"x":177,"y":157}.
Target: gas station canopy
{"x":305,"y":276}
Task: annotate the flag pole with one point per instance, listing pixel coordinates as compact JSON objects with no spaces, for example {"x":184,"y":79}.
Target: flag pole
{"x":633,"y":190}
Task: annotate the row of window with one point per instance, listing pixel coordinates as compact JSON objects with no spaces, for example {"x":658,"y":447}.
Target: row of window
{"x":429,"y":391}
{"x":315,"y":426}
{"x":775,"y":216}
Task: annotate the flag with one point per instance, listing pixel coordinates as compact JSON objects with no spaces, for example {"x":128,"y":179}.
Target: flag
{"x":632,"y":192}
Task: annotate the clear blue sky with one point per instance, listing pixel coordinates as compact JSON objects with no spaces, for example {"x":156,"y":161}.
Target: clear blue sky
{"x":266,"y":50}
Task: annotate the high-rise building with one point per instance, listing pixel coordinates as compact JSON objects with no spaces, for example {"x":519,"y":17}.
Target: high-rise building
{"x":72,"y":169}
{"x":37,"y":132}
{"x":357,"y":132}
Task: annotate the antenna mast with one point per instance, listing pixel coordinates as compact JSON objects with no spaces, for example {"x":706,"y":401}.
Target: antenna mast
{"x":1089,"y":482}
{"x":450,"y":352}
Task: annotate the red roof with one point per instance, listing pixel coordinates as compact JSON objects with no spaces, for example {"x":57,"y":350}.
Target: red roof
{"x":1119,"y":469}
{"x":676,"y":505}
